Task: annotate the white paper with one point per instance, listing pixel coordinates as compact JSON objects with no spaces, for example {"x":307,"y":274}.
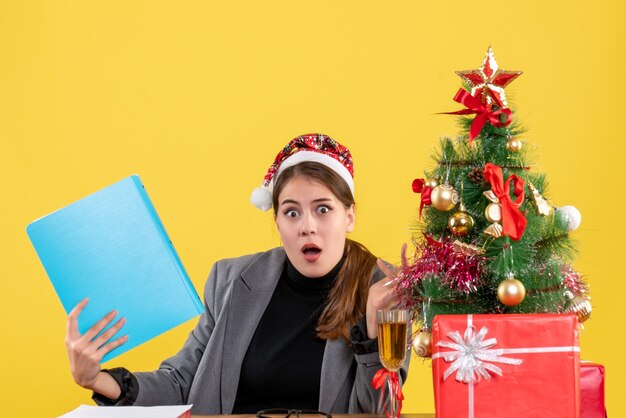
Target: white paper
{"x":88,"y":411}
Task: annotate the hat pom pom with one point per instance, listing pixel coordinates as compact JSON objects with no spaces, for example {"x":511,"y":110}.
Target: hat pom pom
{"x":261,"y":197}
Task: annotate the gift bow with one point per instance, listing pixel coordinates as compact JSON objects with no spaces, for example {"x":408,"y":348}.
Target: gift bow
{"x":483,"y":113}
{"x":419,"y":186}
{"x":513,"y":220}
{"x":472,"y":356}
{"x":378,"y":382}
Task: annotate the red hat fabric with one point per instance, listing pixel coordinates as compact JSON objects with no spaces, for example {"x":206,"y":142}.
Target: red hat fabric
{"x":311,"y":147}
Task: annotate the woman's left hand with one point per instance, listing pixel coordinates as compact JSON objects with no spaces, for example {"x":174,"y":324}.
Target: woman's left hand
{"x":381,"y":294}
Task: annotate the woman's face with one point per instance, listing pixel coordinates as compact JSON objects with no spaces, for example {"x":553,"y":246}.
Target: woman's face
{"x":312,"y":224}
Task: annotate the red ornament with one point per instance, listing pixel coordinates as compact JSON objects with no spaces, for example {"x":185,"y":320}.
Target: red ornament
{"x":488,"y":82}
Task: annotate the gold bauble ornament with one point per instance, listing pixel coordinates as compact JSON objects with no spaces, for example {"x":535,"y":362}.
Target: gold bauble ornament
{"x":511,"y":292}
{"x":444,"y":197}
{"x":460,"y":224}
{"x":432,"y":183}
{"x":423,"y":345}
{"x":493,"y":212}
{"x":514,"y":145}
{"x":581,"y":306}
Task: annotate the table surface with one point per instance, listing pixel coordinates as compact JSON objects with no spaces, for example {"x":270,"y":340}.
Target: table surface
{"x":334,"y":416}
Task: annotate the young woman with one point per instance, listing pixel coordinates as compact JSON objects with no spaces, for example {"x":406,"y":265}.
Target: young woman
{"x":293,"y":327}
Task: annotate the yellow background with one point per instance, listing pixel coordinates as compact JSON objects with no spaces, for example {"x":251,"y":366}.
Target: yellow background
{"x":197,"y":97}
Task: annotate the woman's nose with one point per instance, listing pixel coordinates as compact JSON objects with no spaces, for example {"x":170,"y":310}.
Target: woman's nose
{"x":308,"y":225}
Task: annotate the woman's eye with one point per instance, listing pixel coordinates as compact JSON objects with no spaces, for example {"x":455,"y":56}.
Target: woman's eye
{"x":291,"y":213}
{"x":323,"y":209}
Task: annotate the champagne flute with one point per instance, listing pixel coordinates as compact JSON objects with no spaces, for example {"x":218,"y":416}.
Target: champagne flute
{"x":393,"y":325}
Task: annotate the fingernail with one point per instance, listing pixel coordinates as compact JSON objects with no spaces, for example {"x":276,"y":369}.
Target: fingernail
{"x":123,"y":320}
{"x":113,"y":312}
{"x":390,"y":282}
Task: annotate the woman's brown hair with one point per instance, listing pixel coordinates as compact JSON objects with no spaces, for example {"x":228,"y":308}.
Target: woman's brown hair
{"x":348,"y":298}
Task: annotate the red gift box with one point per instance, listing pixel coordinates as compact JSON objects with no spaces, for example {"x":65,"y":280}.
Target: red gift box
{"x":592,"y":390}
{"x":498,"y":365}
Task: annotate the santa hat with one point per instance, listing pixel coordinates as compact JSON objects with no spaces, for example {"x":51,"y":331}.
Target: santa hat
{"x":312,"y":147}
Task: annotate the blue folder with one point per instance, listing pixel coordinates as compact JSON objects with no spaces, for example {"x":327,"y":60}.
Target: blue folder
{"x":111,"y":247}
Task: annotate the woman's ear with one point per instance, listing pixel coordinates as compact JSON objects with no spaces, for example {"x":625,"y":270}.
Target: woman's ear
{"x":350,"y":218}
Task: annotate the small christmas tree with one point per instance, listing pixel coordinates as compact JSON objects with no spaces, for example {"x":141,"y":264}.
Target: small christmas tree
{"x":487,"y":239}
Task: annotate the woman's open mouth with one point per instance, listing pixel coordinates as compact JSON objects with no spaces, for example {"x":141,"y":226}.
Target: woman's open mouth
{"x":311,"y":252}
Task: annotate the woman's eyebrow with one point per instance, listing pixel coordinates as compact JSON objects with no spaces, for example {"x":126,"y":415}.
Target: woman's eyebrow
{"x":289,"y":201}
{"x":322,"y":199}
{"x":295,"y":202}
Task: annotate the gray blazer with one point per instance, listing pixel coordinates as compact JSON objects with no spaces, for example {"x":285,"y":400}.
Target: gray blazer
{"x":205,"y":372}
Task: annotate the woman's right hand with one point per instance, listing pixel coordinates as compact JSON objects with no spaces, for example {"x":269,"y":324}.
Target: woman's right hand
{"x":381,"y":294}
{"x":87,"y":350}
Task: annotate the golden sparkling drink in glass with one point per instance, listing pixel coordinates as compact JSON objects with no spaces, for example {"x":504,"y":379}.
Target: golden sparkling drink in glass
{"x":393,"y":326}
{"x":392,"y":341}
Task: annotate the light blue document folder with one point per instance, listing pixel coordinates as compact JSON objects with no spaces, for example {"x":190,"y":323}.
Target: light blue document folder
{"x":111,"y":247}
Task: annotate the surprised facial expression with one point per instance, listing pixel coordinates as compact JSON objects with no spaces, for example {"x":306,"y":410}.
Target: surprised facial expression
{"x":313,"y":224}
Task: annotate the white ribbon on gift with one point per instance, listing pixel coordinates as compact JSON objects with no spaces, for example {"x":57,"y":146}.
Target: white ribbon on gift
{"x":472,"y":357}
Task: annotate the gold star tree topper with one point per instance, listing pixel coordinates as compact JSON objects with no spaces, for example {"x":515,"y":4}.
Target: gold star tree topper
{"x":489,"y":81}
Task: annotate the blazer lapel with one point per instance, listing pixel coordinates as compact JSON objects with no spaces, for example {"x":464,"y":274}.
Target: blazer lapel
{"x":335,"y":367}
{"x":250,"y":296}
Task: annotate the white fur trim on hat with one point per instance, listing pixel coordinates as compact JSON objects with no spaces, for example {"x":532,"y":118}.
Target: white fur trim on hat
{"x":261,"y":197}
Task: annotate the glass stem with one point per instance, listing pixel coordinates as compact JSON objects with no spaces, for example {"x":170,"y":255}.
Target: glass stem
{"x":393,"y":398}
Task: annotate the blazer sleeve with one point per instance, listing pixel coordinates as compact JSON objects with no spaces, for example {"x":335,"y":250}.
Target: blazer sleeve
{"x":170,"y":384}
{"x":364,"y":398}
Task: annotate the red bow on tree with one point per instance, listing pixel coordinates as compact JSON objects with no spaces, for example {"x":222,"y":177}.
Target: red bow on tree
{"x":513,"y":220}
{"x":419,"y":186}
{"x":378,"y":382}
{"x":483,"y":113}
{"x":431,"y":241}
